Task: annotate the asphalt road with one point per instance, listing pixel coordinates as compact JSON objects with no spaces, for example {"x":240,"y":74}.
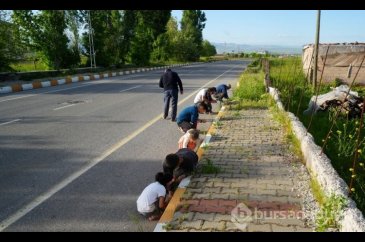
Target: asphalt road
{"x":76,"y":157}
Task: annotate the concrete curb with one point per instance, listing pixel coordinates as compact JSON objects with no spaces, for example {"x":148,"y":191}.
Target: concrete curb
{"x":321,"y":169}
{"x":176,"y":198}
{"x":79,"y":78}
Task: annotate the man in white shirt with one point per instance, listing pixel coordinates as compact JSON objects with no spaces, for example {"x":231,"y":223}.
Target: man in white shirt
{"x":205,"y":95}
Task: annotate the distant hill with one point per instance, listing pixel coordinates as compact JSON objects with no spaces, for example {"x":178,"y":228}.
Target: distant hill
{"x":274,"y":49}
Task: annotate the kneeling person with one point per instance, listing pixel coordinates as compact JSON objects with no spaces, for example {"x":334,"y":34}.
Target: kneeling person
{"x":188,"y":118}
{"x":153,"y":199}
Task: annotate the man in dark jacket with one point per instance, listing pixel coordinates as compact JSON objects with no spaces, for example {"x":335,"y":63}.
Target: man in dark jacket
{"x":171,"y":83}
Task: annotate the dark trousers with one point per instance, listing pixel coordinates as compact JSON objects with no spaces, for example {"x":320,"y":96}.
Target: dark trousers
{"x":170,"y":94}
{"x":185,"y":126}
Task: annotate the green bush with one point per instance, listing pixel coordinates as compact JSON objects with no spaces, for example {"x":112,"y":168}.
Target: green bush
{"x":251,"y":86}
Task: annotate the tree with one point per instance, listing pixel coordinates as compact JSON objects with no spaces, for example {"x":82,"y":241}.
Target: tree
{"x":73,"y":20}
{"x":44,"y":31}
{"x":10,"y":46}
{"x":150,"y":25}
{"x":192,"y":25}
{"x":208,"y":49}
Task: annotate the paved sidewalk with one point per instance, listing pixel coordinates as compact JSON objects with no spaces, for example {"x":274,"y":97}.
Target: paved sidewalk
{"x":255,"y":189}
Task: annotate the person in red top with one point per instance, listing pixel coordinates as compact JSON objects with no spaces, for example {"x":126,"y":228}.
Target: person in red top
{"x":189,"y":139}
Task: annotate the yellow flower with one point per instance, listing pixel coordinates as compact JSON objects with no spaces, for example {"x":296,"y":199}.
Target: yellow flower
{"x":359,"y":151}
{"x":351,"y":169}
{"x":353,"y":176}
{"x":352,"y":189}
{"x":361,"y":164}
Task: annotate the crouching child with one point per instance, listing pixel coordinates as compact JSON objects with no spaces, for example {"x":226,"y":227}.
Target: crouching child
{"x":154,"y":199}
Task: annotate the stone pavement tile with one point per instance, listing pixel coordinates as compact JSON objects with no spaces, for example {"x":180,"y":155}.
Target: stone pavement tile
{"x":284,"y":222}
{"x":222,"y":184}
{"x":201,"y":196}
{"x":195,"y":190}
{"x":196,"y":224}
{"x":222,"y":217}
{"x":284,"y":192}
{"x":230,"y":190}
{"x":179,"y":216}
{"x":204,"y":216}
{"x":232,"y":227}
{"x":229,"y":203}
{"x":219,"y":196}
{"x":197,"y":208}
{"x":215,"y":209}
{"x":199,"y":179}
{"x":259,"y":228}
{"x":190,"y":202}
{"x":302,"y":229}
{"x":240,"y":197}
{"x":277,"y":228}
{"x":209,"y":202}
{"x":217,"y":226}
{"x":212,"y":190}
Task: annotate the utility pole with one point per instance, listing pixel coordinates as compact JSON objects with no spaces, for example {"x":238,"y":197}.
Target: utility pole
{"x":91,"y":43}
{"x":316,"y":49}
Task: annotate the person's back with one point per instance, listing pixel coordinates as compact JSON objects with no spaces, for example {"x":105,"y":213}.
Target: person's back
{"x":189,"y":160}
{"x":201,"y":95}
{"x":222,"y":91}
{"x":170,"y":80}
{"x":221,"y":88}
{"x":188,"y":114}
{"x":145,"y":202}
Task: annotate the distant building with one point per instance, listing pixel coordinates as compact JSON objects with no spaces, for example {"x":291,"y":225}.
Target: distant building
{"x":343,"y":61}
{"x":263,"y":52}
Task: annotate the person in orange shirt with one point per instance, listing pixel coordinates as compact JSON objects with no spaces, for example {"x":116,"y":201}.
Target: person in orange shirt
{"x":189,"y":139}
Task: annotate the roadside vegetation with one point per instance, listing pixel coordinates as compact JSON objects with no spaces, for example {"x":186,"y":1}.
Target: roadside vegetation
{"x":287,"y":76}
{"x":59,"y":39}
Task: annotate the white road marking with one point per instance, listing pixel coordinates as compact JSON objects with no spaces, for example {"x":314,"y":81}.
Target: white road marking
{"x":60,"y":90}
{"x":70,"y":105}
{"x":64,"y":89}
{"x":12,"y":121}
{"x":124,"y":90}
{"x":53,"y":190}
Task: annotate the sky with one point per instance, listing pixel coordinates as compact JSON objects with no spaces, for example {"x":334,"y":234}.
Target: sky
{"x":281,"y":27}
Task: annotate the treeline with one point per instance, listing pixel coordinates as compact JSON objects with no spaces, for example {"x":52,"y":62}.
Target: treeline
{"x":59,"y":38}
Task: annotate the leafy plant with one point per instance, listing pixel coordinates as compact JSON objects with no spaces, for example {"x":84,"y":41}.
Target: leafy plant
{"x":330,"y":213}
{"x":208,"y":167}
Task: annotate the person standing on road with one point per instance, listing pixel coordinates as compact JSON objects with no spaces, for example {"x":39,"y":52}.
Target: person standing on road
{"x":171,"y":83}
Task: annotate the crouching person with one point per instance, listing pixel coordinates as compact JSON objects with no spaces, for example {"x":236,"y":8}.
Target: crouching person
{"x":181,"y":164}
{"x":188,"y":118}
{"x":153,"y":200}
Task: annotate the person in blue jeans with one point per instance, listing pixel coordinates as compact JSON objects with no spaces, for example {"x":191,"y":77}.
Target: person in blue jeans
{"x":188,"y":118}
{"x":171,"y":83}
{"x":222,"y":92}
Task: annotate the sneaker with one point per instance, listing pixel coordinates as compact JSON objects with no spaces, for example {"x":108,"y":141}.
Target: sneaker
{"x":173,"y":120}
